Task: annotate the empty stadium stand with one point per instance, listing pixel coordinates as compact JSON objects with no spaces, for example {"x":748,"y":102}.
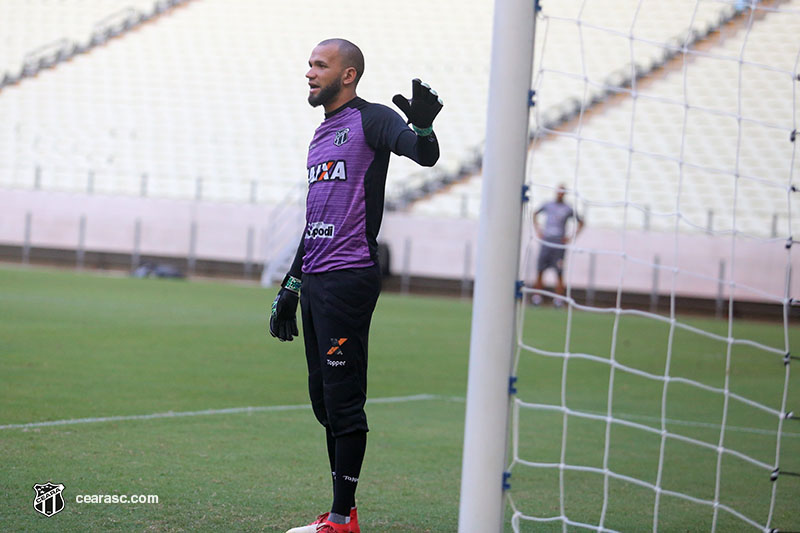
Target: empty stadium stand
{"x":40,"y":35}
{"x":692,"y":172}
{"x":209,"y":100}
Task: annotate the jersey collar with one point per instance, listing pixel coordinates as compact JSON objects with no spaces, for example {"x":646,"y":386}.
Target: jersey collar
{"x":352,"y":103}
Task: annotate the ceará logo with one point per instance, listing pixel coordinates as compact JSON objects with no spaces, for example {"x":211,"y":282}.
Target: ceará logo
{"x":319,"y":230}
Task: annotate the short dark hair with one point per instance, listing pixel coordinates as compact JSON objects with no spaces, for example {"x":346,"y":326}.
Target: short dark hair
{"x":350,"y":53}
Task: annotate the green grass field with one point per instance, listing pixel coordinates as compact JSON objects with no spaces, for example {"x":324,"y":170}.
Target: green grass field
{"x":76,"y":346}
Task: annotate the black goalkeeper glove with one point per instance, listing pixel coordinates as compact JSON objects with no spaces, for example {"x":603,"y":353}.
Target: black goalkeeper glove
{"x":283,"y":319}
{"x":423,"y":107}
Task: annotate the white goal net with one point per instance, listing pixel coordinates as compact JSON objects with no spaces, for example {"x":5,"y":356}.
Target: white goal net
{"x":673,"y":127}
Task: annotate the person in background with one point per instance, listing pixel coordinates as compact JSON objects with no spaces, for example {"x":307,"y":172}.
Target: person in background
{"x":554,"y":232}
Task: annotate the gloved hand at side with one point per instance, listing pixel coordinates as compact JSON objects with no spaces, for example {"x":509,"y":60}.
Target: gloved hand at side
{"x":283,"y":318}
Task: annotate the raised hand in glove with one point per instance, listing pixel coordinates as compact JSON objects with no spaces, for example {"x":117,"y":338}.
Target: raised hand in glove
{"x":283,"y":318}
{"x":422,"y":108}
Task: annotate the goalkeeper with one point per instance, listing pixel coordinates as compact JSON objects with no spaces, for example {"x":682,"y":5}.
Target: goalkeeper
{"x":335,"y":273}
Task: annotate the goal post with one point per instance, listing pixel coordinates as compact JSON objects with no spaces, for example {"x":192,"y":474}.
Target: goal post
{"x":674,"y":125}
{"x":492,"y":342}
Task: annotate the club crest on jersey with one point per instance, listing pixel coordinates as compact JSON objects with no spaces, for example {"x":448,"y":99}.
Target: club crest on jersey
{"x":341,"y":136}
{"x":327,"y":171}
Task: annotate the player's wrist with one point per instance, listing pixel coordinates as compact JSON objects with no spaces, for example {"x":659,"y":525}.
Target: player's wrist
{"x":422,"y":132}
{"x":292,"y":284}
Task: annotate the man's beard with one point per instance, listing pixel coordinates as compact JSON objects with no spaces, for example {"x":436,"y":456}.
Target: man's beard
{"x":325,"y":94}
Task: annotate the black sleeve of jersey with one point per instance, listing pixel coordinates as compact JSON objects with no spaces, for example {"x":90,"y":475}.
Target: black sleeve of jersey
{"x":384,"y":129}
{"x":423,"y":150}
{"x":296,"y":269}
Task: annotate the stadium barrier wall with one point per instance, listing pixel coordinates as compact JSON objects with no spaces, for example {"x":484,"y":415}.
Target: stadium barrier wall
{"x":421,"y":248}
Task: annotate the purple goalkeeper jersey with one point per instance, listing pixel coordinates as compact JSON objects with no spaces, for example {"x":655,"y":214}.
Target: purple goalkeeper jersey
{"x":347,"y":163}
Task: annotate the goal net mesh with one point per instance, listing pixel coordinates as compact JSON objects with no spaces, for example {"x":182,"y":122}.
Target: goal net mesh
{"x":672,"y":126}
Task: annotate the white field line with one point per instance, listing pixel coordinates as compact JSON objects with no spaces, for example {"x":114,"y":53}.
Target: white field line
{"x":207,"y":412}
{"x":390,"y":399}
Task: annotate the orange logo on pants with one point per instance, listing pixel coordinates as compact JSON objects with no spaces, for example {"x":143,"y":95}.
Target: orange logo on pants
{"x":337,"y":343}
